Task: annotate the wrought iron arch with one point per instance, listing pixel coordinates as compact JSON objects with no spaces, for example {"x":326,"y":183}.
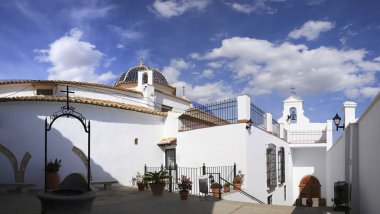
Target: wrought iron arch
{"x":69,"y":111}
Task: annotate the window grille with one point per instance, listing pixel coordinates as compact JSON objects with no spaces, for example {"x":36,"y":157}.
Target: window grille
{"x":44,"y":91}
{"x":170,"y":158}
{"x":271,"y":166}
{"x":281,"y":165}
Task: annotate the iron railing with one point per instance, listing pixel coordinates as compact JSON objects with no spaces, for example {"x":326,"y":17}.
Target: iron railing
{"x":193,"y":173}
{"x":213,"y":114}
{"x":275,"y":128}
{"x":258,"y":117}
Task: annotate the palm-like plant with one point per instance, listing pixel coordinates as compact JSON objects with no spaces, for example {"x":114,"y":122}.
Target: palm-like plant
{"x":160,"y":177}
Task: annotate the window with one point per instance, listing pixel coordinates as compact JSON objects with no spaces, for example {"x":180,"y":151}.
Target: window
{"x":165,"y":108}
{"x":281,"y":165}
{"x":271,"y":166}
{"x":44,"y":91}
{"x":285,"y":193}
{"x":293,"y":115}
{"x":145,"y":78}
{"x":170,"y":158}
{"x":269,"y":200}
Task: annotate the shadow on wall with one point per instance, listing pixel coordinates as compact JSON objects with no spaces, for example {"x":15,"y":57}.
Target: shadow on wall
{"x":74,"y":158}
{"x":59,"y":147}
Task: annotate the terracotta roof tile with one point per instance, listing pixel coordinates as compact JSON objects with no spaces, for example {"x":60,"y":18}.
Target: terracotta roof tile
{"x":6,"y":82}
{"x":89,"y":101}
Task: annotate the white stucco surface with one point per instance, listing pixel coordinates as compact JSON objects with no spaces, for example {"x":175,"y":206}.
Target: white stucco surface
{"x":114,"y":154}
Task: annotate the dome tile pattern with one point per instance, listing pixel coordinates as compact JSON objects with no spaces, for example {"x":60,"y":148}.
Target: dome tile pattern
{"x":131,"y":76}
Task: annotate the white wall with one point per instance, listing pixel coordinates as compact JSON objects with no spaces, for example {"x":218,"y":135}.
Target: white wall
{"x":215,"y":146}
{"x":335,"y":165}
{"x":177,"y":104}
{"x":225,"y":145}
{"x":256,"y":183}
{"x":113,"y":152}
{"x":309,"y":161}
{"x":369,"y":158}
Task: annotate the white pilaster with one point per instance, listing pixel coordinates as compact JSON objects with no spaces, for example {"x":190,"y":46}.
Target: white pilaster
{"x":269,"y":122}
{"x":329,"y":134}
{"x":349,"y":112}
{"x":244,"y":108}
{"x":282,"y":134}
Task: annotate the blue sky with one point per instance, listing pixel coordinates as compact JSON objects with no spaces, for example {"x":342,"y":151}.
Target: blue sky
{"x":327,"y":49}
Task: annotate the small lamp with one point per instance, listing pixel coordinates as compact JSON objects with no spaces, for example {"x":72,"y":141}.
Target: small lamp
{"x":248,"y":124}
{"x":337,"y":120}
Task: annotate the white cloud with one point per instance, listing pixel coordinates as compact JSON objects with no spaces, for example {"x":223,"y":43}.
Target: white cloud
{"x":73,"y":59}
{"x":126,"y":34}
{"x":120,"y":46}
{"x":91,"y":10}
{"x":219,"y":36}
{"x":109,"y":61}
{"x":173,"y":70}
{"x":194,"y":55}
{"x":143,"y":53}
{"x":205,"y":93}
{"x":258,"y":6}
{"x":215,"y":64}
{"x":244,"y":8}
{"x":170,"y":8}
{"x":208,"y":73}
{"x":268,"y":67}
{"x":311,"y":30}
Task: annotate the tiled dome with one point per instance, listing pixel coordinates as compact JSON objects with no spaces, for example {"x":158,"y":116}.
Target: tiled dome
{"x":131,"y":76}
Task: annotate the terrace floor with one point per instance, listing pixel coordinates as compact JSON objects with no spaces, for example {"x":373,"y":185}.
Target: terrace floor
{"x":130,"y":200}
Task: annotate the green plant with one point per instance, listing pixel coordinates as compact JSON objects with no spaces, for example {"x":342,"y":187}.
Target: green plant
{"x":185,"y":183}
{"x":160,"y":177}
{"x":239,"y":178}
{"x":53,"y":166}
{"x":138,"y":179}
{"x":216,"y":185}
{"x":226,"y":184}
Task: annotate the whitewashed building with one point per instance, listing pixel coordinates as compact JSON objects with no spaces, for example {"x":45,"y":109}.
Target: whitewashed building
{"x":141,"y":121}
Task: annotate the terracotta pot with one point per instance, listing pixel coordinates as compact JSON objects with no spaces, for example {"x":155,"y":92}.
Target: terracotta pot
{"x":157,"y":189}
{"x":52,"y":180}
{"x":141,"y":186}
{"x":215,"y":192}
{"x":237,"y":186}
{"x":183,"y":194}
{"x":226,"y":189}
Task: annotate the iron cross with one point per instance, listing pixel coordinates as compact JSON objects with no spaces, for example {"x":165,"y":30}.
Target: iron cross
{"x":293,"y":90}
{"x":67,"y":96}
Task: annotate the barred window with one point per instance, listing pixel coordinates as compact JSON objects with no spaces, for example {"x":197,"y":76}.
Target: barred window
{"x":281,"y":165}
{"x":271,"y":166}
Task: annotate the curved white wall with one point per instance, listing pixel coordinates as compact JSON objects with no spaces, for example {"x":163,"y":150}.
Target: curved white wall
{"x":113,"y":152}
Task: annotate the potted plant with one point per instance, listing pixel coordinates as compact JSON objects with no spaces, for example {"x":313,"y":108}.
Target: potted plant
{"x":226,"y":187}
{"x":184,"y":185}
{"x":52,"y":175}
{"x":139,"y":180}
{"x":216,"y":189}
{"x":157,"y":181}
{"x":238,"y":180}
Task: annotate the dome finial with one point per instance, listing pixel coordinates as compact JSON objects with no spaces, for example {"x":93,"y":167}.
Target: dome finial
{"x":142,"y":62}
